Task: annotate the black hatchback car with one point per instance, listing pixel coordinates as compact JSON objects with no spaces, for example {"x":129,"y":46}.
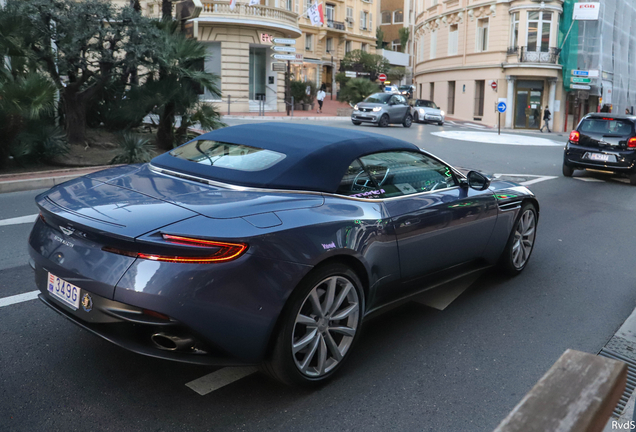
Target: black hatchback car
{"x":603,"y":142}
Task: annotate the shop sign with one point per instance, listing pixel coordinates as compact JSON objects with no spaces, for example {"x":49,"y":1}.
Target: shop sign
{"x":266,"y":38}
{"x":279,"y":67}
{"x":299,"y":58}
{"x":586,"y":11}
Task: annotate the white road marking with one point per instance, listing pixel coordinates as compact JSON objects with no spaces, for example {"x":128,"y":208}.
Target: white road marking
{"x":493,"y":138}
{"x":589,"y":179}
{"x":18,"y":220}
{"x":539,"y":178}
{"x":19,"y":298}
{"x":214,"y":381}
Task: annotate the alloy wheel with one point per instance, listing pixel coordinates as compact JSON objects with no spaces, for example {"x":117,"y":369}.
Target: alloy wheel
{"x":524,"y":239}
{"x":325,"y":326}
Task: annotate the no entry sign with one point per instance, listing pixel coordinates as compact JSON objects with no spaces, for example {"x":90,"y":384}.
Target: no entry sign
{"x":494,"y":85}
{"x":382,"y":77}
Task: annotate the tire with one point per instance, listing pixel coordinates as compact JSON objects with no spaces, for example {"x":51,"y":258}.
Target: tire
{"x":357,"y":123}
{"x":384,"y":121}
{"x":632,"y":179}
{"x":440,"y":123}
{"x":408,"y":121}
{"x":525,"y":227}
{"x":316,"y":358}
{"x":415,"y":118}
{"x":567,"y":170}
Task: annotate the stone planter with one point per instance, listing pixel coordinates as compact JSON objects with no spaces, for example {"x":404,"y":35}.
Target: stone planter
{"x":344,"y":112}
{"x":298,"y":107}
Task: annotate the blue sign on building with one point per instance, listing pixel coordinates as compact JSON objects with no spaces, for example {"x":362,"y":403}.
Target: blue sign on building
{"x":580,"y":73}
{"x":501,"y":107}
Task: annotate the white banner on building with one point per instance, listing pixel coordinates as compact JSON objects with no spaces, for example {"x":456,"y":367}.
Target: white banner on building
{"x":586,"y":11}
{"x":254,"y":2}
{"x":314,"y":13}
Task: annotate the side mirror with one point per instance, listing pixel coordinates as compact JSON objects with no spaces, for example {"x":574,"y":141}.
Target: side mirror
{"x":478,"y":181}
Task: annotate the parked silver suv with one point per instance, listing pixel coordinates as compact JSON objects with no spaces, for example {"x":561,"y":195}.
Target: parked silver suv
{"x":383,"y":109}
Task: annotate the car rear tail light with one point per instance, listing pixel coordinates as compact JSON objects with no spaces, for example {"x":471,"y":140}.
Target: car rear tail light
{"x":574,"y":136}
{"x":225,"y":251}
{"x":631,"y":143}
{"x":155,"y":314}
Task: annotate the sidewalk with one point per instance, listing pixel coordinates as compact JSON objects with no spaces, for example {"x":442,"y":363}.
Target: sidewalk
{"x":329,"y":112}
{"x":43,"y":179}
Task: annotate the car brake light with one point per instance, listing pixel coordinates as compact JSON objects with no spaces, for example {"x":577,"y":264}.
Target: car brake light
{"x":631,"y":143}
{"x":226,"y":251}
{"x":574,"y":136}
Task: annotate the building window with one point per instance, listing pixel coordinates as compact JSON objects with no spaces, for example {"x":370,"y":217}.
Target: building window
{"x":348,"y":46}
{"x":386,"y":17}
{"x":514,"y":29}
{"x":453,"y":32}
{"x":433,"y":2}
{"x":431,"y":92}
{"x":539,"y":23}
{"x":349,"y":18}
{"x":307,"y":4}
{"x":450,"y":109}
{"x":329,"y":45}
{"x":433,"y":44}
{"x":482,"y":35}
{"x":479,"y":98}
{"x":309,"y":42}
{"x":395,"y":45}
{"x":421,"y":49}
{"x":364,"y":20}
{"x":398,"y":17}
{"x":364,"y":47}
{"x":329,"y":16}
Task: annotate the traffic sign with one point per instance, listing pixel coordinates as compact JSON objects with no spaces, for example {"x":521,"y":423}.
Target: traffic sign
{"x":285,"y":41}
{"x":580,"y":87}
{"x":382,"y":77}
{"x":284,"y":56}
{"x":351,"y":74}
{"x":283,"y":48}
{"x":501,"y":107}
{"x":582,"y":73}
{"x":580,"y":80}
{"x":494,"y":85}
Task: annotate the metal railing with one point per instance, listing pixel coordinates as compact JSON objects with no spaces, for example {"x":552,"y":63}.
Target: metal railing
{"x":336,"y":25}
{"x":512,"y":50}
{"x":526,"y":56}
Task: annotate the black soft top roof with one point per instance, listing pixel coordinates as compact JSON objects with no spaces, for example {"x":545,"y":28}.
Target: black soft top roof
{"x":317,"y":157}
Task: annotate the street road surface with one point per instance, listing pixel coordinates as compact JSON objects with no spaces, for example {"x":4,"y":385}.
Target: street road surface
{"x":414,"y":368}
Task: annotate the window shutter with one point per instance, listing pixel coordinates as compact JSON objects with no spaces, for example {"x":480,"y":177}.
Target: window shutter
{"x":361,"y":20}
{"x":370,"y":21}
{"x":297,"y":7}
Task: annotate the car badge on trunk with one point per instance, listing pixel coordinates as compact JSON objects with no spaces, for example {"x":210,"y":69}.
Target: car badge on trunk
{"x":67,"y":231}
{"x":87,"y":303}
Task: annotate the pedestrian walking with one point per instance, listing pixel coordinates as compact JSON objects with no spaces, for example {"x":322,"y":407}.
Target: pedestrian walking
{"x":627,"y":111}
{"x":320,"y":96}
{"x":547,"y":115}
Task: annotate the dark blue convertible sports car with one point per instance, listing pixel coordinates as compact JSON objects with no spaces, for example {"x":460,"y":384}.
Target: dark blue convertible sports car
{"x":268,"y":244}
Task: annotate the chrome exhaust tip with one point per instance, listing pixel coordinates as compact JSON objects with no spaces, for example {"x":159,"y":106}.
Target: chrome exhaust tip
{"x":172,"y":343}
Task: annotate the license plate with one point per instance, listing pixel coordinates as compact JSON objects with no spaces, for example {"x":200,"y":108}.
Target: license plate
{"x":601,"y":157}
{"x":67,"y":293}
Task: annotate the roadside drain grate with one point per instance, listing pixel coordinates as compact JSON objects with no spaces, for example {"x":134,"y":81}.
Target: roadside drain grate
{"x":631,"y":378}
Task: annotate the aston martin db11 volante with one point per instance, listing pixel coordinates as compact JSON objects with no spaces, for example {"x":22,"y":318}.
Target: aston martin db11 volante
{"x":268,"y":244}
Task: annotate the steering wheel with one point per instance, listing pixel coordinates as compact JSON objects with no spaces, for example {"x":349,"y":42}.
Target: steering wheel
{"x":366,"y":185}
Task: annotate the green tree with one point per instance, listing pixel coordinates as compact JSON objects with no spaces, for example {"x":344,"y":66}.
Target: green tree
{"x":357,"y":89}
{"x":396,"y":73}
{"x":361,"y":61}
{"x":404,"y":34}
{"x":379,"y":38}
{"x":82,"y":46}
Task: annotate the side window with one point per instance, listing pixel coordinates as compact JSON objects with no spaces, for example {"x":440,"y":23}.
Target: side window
{"x":405,"y":173}
{"x":401,"y":100}
{"x":357,"y":183}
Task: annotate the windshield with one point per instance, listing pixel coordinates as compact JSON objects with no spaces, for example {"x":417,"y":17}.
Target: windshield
{"x":381,"y":98}
{"x":426,"y":104}
{"x":606,"y":126}
{"x":224,"y":155}
{"x":404,"y":87}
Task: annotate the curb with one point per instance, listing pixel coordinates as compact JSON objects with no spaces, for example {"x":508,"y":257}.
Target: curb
{"x":284,"y":118}
{"x":46,"y":179}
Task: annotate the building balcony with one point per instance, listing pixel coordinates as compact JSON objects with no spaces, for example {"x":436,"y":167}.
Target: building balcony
{"x":524,"y":56}
{"x":395,"y":58}
{"x":262,"y":16}
{"x":336,"y":25}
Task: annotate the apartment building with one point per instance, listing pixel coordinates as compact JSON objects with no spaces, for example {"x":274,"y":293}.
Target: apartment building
{"x":469,"y":54}
{"x":349,"y":25}
{"x":395,"y":15}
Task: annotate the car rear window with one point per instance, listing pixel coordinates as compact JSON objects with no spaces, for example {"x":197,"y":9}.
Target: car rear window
{"x":607,"y":126}
{"x":225,"y":155}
